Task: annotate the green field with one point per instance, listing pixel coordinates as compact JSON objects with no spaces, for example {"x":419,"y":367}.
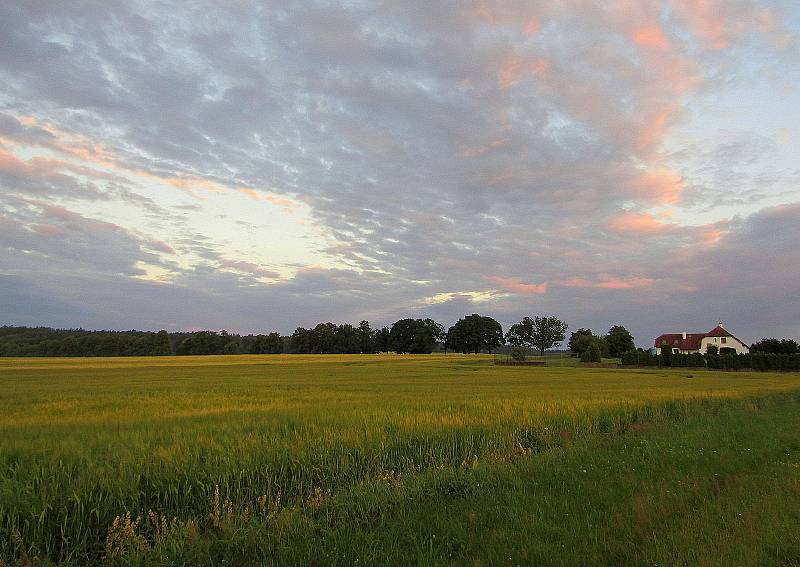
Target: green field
{"x":394,"y":460}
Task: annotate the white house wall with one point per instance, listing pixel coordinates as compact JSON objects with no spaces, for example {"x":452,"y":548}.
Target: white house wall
{"x":731,"y":342}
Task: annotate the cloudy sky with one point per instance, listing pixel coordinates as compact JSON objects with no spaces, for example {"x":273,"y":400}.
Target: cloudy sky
{"x":259,"y":166}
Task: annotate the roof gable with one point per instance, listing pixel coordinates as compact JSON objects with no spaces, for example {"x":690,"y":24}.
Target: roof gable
{"x":692,"y":340}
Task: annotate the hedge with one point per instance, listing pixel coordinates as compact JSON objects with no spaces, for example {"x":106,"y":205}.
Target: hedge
{"x":755,"y":361}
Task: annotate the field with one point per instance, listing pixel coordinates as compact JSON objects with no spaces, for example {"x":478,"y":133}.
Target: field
{"x":394,"y":460}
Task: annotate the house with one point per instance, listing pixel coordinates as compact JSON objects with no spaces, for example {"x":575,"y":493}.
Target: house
{"x":689,"y":343}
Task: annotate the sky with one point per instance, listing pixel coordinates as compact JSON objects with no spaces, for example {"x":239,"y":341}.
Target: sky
{"x":259,"y":166}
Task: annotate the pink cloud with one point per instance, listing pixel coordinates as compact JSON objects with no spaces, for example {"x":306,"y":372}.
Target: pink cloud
{"x":643,"y":223}
{"x":531,"y":26}
{"x":719,"y":23}
{"x":161,"y":246}
{"x":515,"y":68}
{"x":651,"y":37}
{"x":516,"y":285}
{"x":661,"y":185}
{"x":46,"y":229}
{"x":610,"y":282}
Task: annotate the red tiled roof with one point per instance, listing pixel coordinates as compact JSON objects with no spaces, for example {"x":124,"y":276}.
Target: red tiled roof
{"x":676,"y":340}
{"x":692,"y":340}
{"x":718,"y":332}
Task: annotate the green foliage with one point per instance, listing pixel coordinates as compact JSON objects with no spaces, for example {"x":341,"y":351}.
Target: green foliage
{"x":619,"y":341}
{"x":329,"y":338}
{"x":592,"y":354}
{"x":475,"y":333}
{"x":775,"y":346}
{"x":415,"y":336}
{"x":666,"y":355}
{"x":541,"y":333}
{"x":44,"y":341}
{"x":712,"y":350}
{"x":263,"y":344}
{"x":519,"y":353}
{"x":753,"y":361}
{"x":580,"y":340}
{"x":232,"y":347}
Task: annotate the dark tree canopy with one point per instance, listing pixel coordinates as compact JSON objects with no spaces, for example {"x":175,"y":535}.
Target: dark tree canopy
{"x":520,"y":335}
{"x":415,"y":336}
{"x":619,"y":341}
{"x":775,"y":346}
{"x":263,"y":344}
{"x":548,"y":332}
{"x":580,"y":340}
{"x":592,"y":353}
{"x":541,"y":333}
{"x":475,"y":333}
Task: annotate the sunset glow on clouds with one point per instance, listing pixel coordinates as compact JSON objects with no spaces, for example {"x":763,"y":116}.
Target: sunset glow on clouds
{"x":258,"y":166}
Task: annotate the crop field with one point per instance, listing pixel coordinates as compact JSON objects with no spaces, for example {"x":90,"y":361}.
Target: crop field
{"x":394,"y":460}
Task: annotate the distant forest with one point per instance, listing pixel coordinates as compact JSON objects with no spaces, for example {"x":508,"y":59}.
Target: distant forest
{"x":407,"y":335}
{"x":472,"y":333}
{"x":44,"y":341}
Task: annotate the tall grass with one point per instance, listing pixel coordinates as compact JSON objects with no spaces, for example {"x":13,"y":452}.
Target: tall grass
{"x":186,"y":445}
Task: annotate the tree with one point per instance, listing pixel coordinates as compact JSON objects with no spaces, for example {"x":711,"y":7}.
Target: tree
{"x":383,"y":341}
{"x":301,"y":341}
{"x":161,"y":345}
{"x":580,"y":340}
{"x":619,"y":341}
{"x":232,"y":347}
{"x":775,"y":346}
{"x":366,"y":338}
{"x":548,"y":332}
{"x":347,"y":340}
{"x":666,"y":354}
{"x":592,"y":354}
{"x":475,"y":333}
{"x":416,"y":336}
{"x":520,"y":334}
{"x":540,"y":332}
{"x":712,"y":349}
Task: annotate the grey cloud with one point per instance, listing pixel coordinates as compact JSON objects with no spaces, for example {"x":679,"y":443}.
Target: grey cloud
{"x":439,"y":145}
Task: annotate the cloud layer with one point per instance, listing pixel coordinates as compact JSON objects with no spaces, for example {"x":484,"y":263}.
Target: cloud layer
{"x":262,"y":166}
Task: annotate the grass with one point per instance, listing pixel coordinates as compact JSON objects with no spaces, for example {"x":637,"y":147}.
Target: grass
{"x":394,"y":460}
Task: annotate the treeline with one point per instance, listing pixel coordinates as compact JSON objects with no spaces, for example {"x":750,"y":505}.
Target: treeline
{"x":473,"y":333}
{"x":752,"y":361}
{"x":44,"y":341}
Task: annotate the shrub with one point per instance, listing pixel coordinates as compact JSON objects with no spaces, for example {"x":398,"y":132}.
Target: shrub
{"x":666,"y":356}
{"x":592,"y":354}
{"x":519,"y":353}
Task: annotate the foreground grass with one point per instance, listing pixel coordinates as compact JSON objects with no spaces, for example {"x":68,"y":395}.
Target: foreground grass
{"x":390,"y":460}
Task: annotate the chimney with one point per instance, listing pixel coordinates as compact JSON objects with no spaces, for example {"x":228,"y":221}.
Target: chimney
{"x":684,"y":335}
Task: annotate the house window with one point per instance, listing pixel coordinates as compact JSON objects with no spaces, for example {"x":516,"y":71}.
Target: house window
{"x":675,"y":351}
{"x":724,"y":340}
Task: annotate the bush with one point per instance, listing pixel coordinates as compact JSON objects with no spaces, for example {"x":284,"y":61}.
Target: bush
{"x":519,"y":354}
{"x":592,"y":354}
{"x":666,"y":356}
